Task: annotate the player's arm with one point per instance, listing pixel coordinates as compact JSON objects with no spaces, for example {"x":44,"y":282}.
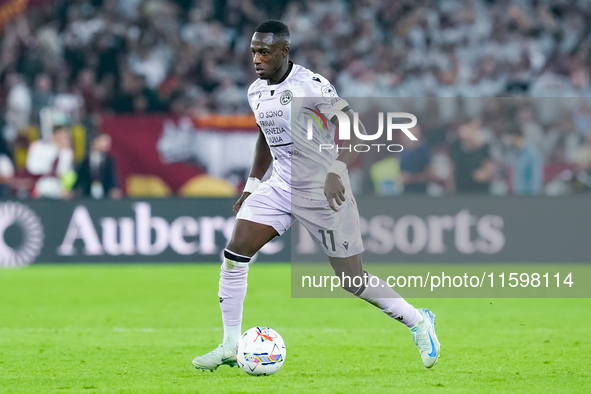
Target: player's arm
{"x":262,"y":161}
{"x":334,"y":190}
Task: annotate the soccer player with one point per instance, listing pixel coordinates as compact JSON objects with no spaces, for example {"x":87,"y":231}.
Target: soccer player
{"x":310,"y":186}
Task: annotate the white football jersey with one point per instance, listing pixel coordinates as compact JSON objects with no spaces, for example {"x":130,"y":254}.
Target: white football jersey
{"x":282,"y":112}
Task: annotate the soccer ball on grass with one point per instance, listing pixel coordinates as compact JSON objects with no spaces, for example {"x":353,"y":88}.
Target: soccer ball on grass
{"x":260,"y":351}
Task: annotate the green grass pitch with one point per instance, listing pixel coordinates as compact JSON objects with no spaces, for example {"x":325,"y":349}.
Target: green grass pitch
{"x":136,"y":328}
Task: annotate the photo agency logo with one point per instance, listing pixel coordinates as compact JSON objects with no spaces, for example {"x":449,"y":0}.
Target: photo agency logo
{"x":391,"y":120}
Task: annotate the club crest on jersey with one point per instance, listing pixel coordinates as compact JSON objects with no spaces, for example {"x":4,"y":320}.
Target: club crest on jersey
{"x":329,"y":94}
{"x":286,"y":97}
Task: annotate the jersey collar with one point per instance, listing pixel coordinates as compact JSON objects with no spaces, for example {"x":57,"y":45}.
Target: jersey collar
{"x":284,"y":77}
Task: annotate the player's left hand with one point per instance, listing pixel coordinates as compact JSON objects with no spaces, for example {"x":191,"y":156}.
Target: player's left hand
{"x":240,"y":201}
{"x":334,"y":190}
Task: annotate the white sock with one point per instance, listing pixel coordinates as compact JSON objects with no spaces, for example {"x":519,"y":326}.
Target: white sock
{"x":232,"y":334}
{"x":390,"y":302}
{"x":232,"y":291}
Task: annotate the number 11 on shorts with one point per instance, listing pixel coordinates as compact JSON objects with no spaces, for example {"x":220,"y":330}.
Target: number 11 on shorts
{"x":331,"y":236}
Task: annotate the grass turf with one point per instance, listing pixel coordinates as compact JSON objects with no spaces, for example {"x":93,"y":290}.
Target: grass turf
{"x":89,"y":328}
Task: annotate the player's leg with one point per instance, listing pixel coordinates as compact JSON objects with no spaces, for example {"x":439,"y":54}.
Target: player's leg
{"x":377,"y":292}
{"x":263,"y":216}
{"x":373,"y":289}
{"x":338,"y":233}
{"x":247,"y":239}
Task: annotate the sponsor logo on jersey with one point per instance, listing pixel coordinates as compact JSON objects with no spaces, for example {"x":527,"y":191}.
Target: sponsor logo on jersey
{"x":289,"y":153}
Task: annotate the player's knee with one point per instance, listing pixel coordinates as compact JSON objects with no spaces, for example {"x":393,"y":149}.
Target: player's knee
{"x":249,"y":237}
{"x":241,"y":248}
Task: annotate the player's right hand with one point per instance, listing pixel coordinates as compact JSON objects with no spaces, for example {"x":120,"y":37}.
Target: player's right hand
{"x":334,"y":190}
{"x":238,"y":204}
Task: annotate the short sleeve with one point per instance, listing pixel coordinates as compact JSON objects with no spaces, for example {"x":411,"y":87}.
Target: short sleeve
{"x":324,"y":95}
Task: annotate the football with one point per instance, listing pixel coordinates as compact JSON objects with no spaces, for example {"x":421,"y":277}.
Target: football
{"x":260,"y":351}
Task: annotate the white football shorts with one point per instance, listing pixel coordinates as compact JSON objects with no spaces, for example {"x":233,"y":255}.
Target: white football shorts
{"x":337,"y":233}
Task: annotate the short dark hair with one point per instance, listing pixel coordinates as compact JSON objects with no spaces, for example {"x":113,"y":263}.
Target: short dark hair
{"x":279,"y":29}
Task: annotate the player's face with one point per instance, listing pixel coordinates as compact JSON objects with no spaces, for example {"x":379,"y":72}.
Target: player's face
{"x":267,"y":56}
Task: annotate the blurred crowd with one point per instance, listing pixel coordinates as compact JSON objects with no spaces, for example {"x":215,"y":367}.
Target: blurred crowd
{"x":498,"y":146}
{"x":85,"y":58}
